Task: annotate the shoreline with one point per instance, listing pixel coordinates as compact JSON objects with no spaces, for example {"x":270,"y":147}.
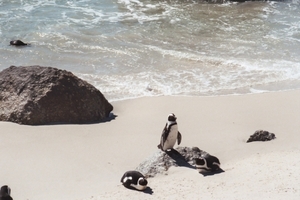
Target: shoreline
{"x":87,"y":161}
{"x":208,"y":95}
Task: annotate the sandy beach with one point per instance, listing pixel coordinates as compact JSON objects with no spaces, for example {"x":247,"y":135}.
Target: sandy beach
{"x":78,"y":162}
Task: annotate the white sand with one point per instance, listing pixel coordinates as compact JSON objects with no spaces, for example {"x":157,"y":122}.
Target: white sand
{"x":75,"y":162}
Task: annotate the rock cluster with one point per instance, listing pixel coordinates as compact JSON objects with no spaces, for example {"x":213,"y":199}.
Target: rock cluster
{"x":37,"y":95}
{"x":261,"y":135}
{"x":160,"y":161}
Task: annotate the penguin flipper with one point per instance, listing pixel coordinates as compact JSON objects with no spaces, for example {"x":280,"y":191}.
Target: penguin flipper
{"x":179,"y":138}
{"x":163,"y":137}
{"x":165,"y":133}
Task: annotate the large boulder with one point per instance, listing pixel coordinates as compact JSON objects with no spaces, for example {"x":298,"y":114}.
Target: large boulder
{"x":261,"y":135}
{"x":161,"y":161}
{"x":36,"y":95}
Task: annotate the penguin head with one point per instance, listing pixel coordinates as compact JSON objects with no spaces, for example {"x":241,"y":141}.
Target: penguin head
{"x":200,"y":161}
{"x":142,"y":181}
{"x":201,"y":164}
{"x":172,"y":117}
{"x":5,"y":190}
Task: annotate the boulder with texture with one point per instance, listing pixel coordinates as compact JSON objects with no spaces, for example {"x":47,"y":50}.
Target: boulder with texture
{"x":37,"y":95}
{"x":261,"y":135}
{"x":161,"y":161}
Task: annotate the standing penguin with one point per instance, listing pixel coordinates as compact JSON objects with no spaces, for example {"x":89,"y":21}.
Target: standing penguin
{"x":5,"y":193}
{"x":207,"y":163}
{"x":170,"y":134}
{"x":134,"y":180}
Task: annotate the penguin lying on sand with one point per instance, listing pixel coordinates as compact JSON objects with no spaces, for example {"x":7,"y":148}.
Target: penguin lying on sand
{"x":207,"y":163}
{"x":170,"y":134}
{"x":134,"y":180}
{"x":5,"y":193}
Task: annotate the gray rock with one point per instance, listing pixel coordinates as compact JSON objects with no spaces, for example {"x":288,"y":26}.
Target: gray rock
{"x":36,"y":95}
{"x":160,"y":161}
{"x":261,"y":135}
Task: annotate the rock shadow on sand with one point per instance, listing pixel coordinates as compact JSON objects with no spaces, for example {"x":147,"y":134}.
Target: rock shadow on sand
{"x":111,"y":117}
{"x":179,"y":159}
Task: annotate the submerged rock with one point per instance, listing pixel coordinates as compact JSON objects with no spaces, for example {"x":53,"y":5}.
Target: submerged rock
{"x":37,"y":95}
{"x":261,"y":135}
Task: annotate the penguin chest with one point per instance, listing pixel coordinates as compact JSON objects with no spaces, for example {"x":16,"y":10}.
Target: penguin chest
{"x":138,"y":186}
{"x":172,"y":137}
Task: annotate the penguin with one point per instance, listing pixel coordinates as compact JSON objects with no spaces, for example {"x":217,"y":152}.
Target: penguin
{"x":5,"y":193}
{"x":207,"y":163}
{"x":17,"y":43}
{"x":134,"y":180}
{"x":170,"y":134}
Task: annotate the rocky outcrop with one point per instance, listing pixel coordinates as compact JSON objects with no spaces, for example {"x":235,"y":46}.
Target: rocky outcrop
{"x":160,"y":161}
{"x":261,"y":135}
{"x":36,"y":95}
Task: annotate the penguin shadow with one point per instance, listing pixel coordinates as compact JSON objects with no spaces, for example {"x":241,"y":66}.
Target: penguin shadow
{"x":179,"y":159}
{"x":148,"y":190}
{"x":209,"y":173}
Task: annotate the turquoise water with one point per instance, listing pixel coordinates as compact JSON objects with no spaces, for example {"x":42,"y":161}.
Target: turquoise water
{"x":133,"y":48}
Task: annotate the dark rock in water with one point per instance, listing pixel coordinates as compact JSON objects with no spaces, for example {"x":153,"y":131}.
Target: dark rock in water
{"x":261,"y":135}
{"x":36,"y":95}
{"x":161,"y":161}
{"x":17,"y":43}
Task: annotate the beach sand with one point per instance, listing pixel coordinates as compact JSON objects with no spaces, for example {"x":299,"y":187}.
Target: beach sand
{"x":76,"y":162}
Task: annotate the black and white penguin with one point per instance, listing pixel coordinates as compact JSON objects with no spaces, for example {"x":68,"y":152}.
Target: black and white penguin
{"x":134,"y":180}
{"x":5,"y":193}
{"x":170,"y":134}
{"x":17,"y":43}
{"x":207,"y":163}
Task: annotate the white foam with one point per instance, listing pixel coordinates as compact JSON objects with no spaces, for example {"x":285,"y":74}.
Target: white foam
{"x":139,"y":48}
{"x":139,"y":10}
{"x":256,"y":91}
{"x":222,"y":77}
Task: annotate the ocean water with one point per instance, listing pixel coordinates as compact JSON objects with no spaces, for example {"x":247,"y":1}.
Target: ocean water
{"x":133,"y":48}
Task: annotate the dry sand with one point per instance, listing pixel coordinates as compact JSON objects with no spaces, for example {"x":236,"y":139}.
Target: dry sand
{"x":76,"y":162}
